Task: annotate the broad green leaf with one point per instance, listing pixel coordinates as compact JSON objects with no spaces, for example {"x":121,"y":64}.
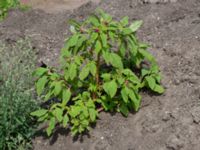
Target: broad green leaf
{"x":158,"y":78}
{"x":104,"y":39}
{"x":135,"y":81}
{"x":85,"y":123}
{"x":85,"y":112}
{"x":122,"y":49}
{"x":58,"y":88}
{"x":43,"y":118}
{"x":79,"y":44}
{"x":116,"y":60}
{"x":147,"y":55}
{"x":112,"y":36}
{"x":73,"y":40}
{"x":134,"y":99}
{"x":58,"y":112}
{"x":39,"y":113}
{"x":107,"y":103}
{"x":105,"y":16}
{"x":81,"y":129}
{"x":74,"y":130}
{"x":40,"y":84}
{"x":131,"y":76}
{"x":151,"y":82}
{"x":94,"y":36}
{"x":77,"y":60}
{"x":98,"y":46}
{"x":110,"y":88}
{"x":144,"y":72}
{"x":75,"y":110}
{"x":133,"y":47}
{"x":143,"y":45}
{"x":40,"y":71}
{"x":84,"y":72}
{"x":65,"y":120}
{"x":106,"y":56}
{"x":159,"y":89}
{"x":90,"y":104}
{"x":72,"y":71}
{"x":124,"y":95}
{"x":86,"y":95}
{"x":48,"y":95}
{"x":124,"y":21}
{"x":92,"y":113}
{"x":132,"y":95}
{"x":121,"y":80}
{"x":66,"y":95}
{"x":155,"y":68}
{"x":124,"y":109}
{"x":54,"y":76}
{"x":127,"y":31}
{"x":128,"y":72}
{"x":66,"y":74}
{"x":94,"y":20}
{"x":65,"y":53}
{"x":76,"y":122}
{"x":51,"y":126}
{"x":135,"y":25}
{"x":106,"y":76}
{"x":92,"y":67}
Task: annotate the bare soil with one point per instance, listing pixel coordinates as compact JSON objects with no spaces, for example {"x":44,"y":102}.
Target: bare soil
{"x":54,"y":6}
{"x":167,"y":122}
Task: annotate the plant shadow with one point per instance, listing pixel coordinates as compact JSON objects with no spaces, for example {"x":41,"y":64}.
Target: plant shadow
{"x":60,"y":131}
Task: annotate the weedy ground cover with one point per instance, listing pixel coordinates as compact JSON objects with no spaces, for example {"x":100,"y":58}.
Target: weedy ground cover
{"x":6,"y":5}
{"x":16,"y":95}
{"x":103,"y":67}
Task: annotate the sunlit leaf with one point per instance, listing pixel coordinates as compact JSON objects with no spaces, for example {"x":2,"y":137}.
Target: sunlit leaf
{"x":136,"y":25}
{"x":124,"y":109}
{"x":39,"y":113}
{"x":110,"y":88}
{"x":84,"y":72}
{"x":72,"y":71}
{"x":40,"y":84}
{"x":66,"y":95}
{"x":116,"y":60}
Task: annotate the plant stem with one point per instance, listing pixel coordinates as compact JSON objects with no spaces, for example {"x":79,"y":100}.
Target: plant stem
{"x":97,"y":75}
{"x":100,"y":109}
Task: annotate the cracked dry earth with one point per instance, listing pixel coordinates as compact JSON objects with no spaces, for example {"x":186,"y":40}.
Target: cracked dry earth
{"x":167,"y":122}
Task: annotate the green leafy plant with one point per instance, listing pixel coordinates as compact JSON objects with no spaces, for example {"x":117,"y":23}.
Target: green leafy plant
{"x":5,"y":5}
{"x":16,"y":95}
{"x":104,"y":67}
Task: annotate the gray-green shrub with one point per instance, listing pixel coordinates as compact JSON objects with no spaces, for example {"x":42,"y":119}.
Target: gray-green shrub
{"x":16,"y":95}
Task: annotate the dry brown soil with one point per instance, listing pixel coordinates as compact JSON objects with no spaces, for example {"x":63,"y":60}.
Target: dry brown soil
{"x":167,"y":122}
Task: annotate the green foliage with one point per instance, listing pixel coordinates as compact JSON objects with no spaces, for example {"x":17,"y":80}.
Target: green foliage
{"x":5,"y":5}
{"x":16,"y":99}
{"x":102,"y":68}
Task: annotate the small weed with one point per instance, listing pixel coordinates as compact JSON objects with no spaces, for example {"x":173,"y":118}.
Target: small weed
{"x":5,"y":5}
{"x":104,"y":67}
{"x":16,"y":99}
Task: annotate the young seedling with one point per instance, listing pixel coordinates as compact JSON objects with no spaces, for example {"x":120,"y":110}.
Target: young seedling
{"x":102,"y":69}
